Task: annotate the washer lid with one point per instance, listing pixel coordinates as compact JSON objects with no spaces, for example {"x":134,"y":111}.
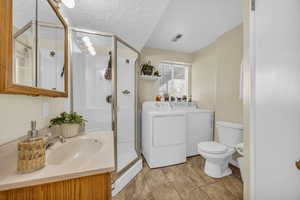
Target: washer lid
{"x":212,"y":147}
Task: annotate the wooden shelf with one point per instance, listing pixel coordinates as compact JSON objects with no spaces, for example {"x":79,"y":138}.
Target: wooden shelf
{"x":150,"y":78}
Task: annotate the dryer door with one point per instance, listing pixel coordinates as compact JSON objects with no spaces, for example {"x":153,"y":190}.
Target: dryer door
{"x":169,"y":130}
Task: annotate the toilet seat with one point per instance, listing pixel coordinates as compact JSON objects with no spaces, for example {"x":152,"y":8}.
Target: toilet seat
{"x":212,"y":147}
{"x":218,"y":155}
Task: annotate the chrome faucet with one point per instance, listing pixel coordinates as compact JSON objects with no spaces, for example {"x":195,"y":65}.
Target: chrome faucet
{"x":53,"y":139}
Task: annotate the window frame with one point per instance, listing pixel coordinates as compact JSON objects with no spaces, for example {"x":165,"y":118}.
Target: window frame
{"x":186,"y":66}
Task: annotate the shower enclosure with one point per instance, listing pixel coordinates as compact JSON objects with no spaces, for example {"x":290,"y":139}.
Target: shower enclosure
{"x":104,"y":91}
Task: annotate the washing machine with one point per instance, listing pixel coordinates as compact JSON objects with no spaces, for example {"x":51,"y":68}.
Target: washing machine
{"x":163,"y":134}
{"x":200,"y":128}
{"x":199,"y":125}
{"x":172,"y":131}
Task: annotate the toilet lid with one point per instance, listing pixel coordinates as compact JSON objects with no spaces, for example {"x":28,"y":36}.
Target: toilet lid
{"x":212,"y":147}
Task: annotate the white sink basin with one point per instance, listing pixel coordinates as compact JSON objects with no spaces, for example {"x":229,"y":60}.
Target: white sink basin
{"x":75,"y":152}
{"x":85,"y":155}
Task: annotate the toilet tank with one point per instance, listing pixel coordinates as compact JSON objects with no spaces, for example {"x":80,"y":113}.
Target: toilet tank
{"x":230,"y":134}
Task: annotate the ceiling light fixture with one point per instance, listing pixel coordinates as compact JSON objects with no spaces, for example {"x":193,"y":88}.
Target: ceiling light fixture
{"x":86,"y":40}
{"x":93,"y":53}
{"x":68,"y":3}
{"x":88,"y":45}
{"x":91,"y":48}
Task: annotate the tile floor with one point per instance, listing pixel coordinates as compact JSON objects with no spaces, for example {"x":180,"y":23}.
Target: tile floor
{"x":182,"y":182}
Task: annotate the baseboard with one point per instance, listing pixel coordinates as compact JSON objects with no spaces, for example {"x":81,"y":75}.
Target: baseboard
{"x":122,"y":181}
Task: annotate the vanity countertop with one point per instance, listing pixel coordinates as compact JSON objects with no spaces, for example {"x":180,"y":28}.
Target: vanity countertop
{"x":97,"y":158}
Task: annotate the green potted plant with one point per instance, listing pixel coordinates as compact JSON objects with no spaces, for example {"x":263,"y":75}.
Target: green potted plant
{"x":69,"y":123}
{"x":147,"y":69}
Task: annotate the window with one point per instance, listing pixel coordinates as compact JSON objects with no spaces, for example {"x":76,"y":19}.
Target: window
{"x":174,"y":79}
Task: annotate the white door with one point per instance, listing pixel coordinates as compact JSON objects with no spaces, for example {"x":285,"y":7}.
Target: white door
{"x":277,"y":100}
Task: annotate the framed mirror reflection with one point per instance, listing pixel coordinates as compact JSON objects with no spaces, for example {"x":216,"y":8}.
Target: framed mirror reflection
{"x":36,"y":39}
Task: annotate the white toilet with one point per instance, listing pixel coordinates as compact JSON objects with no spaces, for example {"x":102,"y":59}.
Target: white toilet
{"x":240,"y":150}
{"x":218,"y":155}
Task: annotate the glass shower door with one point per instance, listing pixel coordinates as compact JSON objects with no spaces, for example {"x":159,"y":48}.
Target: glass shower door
{"x":126,"y":60}
{"x":104,"y":74}
{"x":92,"y":90}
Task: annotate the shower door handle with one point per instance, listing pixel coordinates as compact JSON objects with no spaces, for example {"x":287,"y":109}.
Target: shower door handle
{"x":109,"y":99}
{"x":126,"y":92}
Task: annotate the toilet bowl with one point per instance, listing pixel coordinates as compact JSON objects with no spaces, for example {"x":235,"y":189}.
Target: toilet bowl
{"x":217,"y":155}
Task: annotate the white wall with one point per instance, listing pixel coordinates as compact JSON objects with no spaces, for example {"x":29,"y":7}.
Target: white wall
{"x":277,"y":108}
{"x":204,"y":77}
{"x":17,"y":111}
{"x":216,"y":76}
{"x":229,"y":106}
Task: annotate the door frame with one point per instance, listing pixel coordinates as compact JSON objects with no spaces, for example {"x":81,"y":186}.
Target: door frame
{"x":249,"y":77}
{"x":115,"y":40}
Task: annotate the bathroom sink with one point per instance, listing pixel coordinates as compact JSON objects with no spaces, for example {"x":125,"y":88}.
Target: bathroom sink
{"x":76,"y":152}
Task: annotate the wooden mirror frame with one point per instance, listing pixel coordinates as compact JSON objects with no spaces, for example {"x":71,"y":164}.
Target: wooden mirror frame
{"x":7,"y":85}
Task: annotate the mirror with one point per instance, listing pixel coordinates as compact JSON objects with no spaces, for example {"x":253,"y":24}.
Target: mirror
{"x":24,"y":72}
{"x":50,"y":49}
{"x":37,"y":35}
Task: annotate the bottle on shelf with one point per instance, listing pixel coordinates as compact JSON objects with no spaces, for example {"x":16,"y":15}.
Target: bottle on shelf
{"x":158,"y":98}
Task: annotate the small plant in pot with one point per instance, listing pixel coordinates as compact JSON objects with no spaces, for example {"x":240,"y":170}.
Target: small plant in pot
{"x":70,"y":123}
{"x":147,"y":69}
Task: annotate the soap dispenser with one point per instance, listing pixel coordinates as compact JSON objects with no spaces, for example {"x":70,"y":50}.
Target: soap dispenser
{"x":31,"y":151}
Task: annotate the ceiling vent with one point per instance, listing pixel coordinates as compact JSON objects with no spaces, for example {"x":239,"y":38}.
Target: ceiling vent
{"x":177,"y":37}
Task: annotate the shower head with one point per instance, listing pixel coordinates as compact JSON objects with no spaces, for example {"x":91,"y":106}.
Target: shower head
{"x":52,"y":53}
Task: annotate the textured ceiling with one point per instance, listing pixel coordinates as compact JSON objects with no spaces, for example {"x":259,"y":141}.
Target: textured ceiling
{"x":23,"y":13}
{"x":148,"y":22}
{"x":132,"y":20}
{"x":200,"y":21}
